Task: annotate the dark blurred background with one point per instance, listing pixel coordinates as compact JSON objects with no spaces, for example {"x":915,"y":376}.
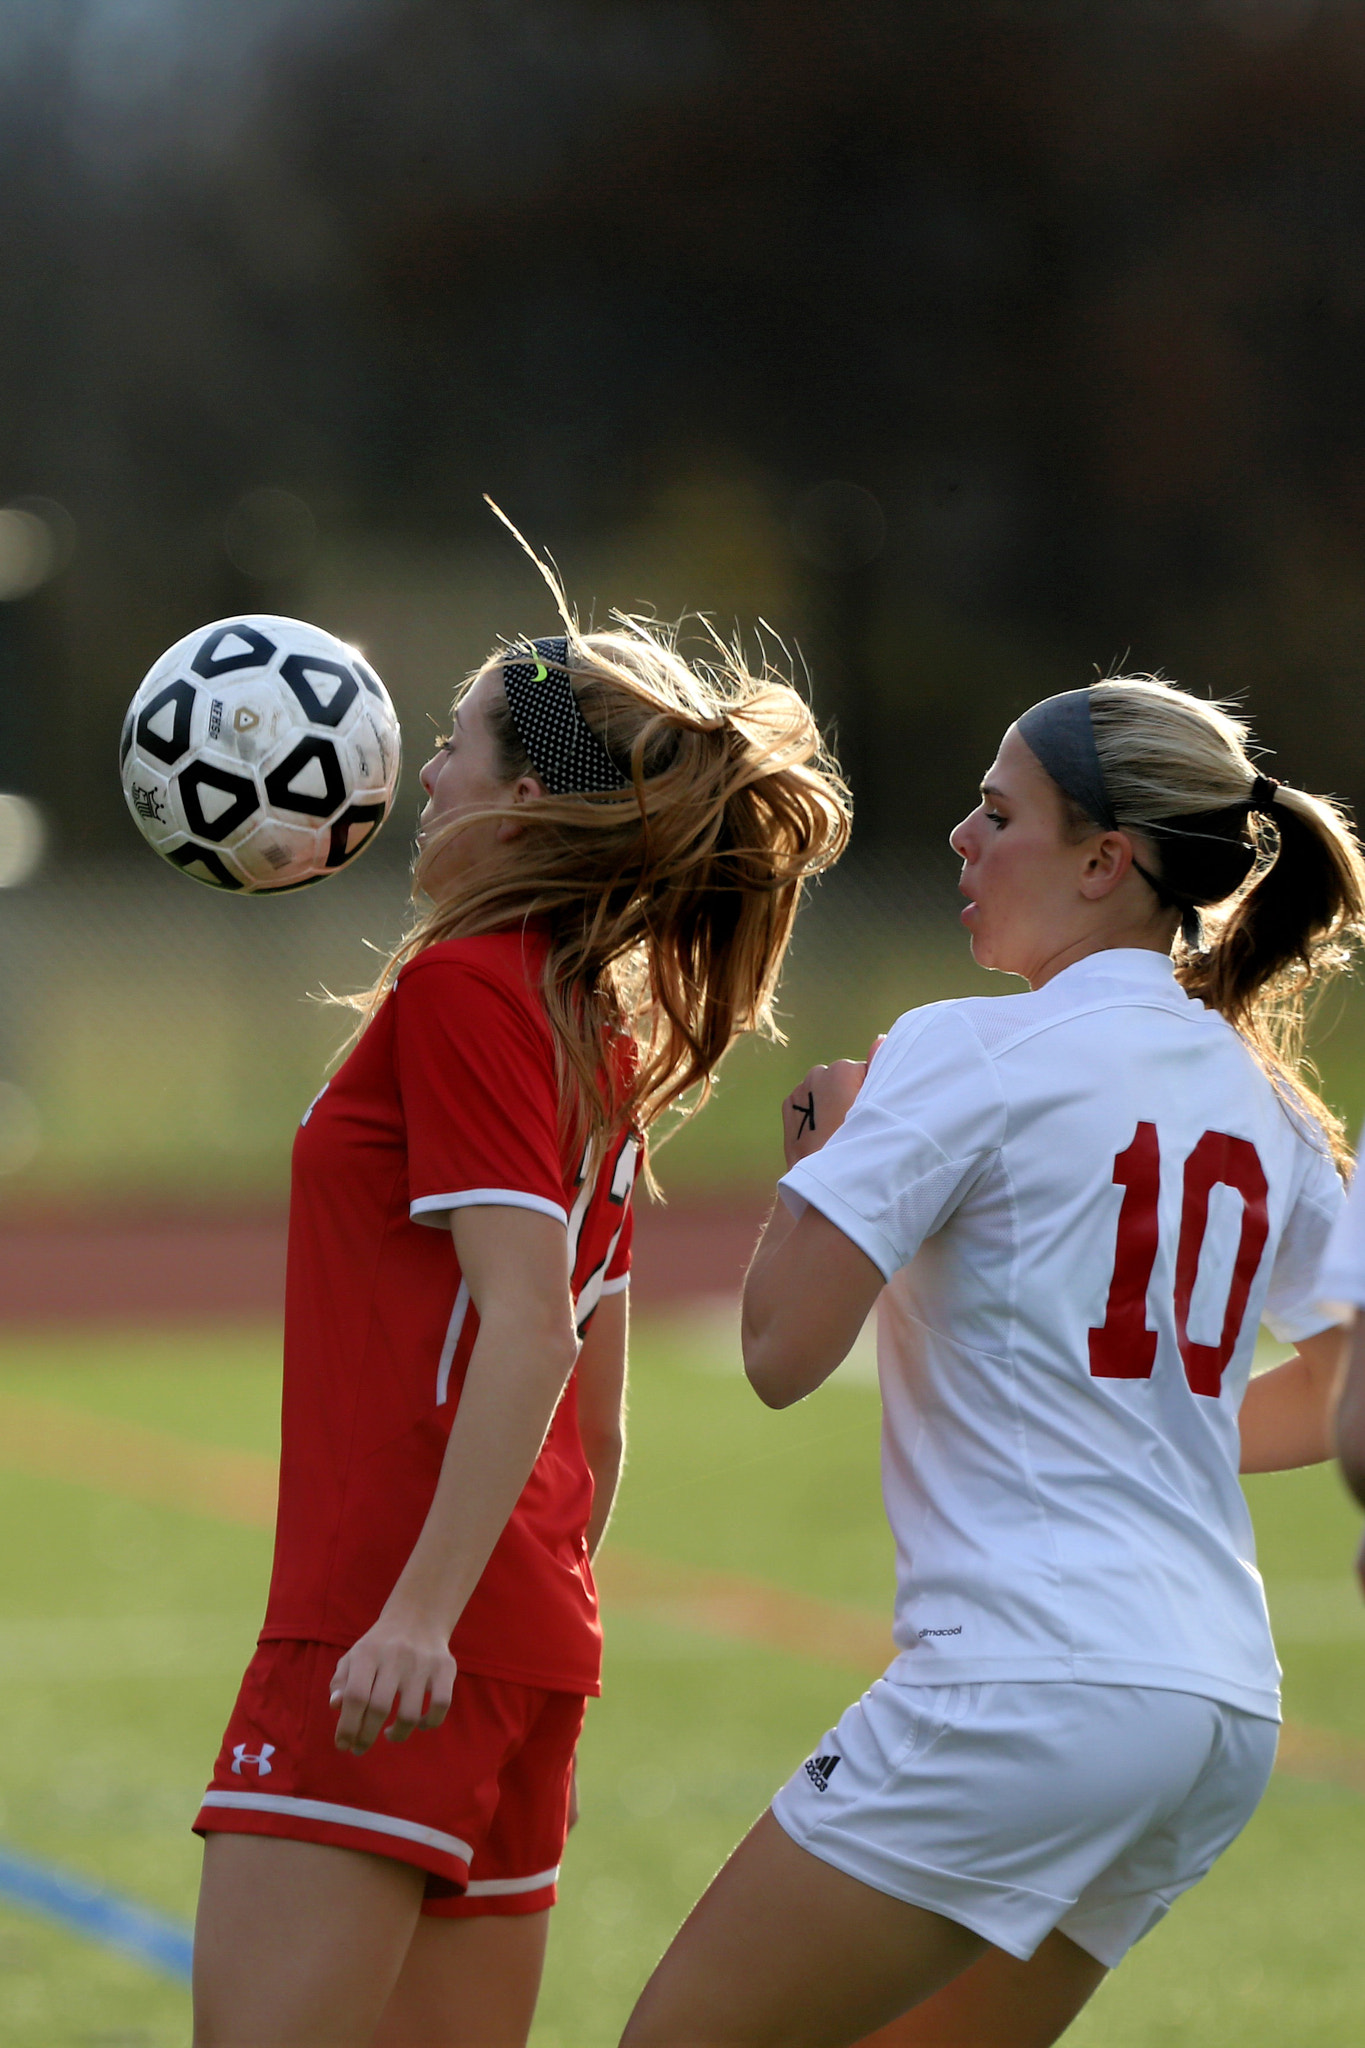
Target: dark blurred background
{"x":977,"y":346}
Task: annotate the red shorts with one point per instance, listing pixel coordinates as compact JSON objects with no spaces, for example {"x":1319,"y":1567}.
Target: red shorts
{"x":480,"y":1803}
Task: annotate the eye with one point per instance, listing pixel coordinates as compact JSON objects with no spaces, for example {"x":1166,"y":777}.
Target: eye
{"x":996,"y":818}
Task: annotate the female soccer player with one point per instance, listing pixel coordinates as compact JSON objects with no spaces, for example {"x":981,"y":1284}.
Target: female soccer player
{"x":1075,"y":1205}
{"x":612,"y":851}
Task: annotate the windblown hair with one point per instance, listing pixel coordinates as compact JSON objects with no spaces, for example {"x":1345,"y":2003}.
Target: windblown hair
{"x":1281,"y":898}
{"x":669,"y":906}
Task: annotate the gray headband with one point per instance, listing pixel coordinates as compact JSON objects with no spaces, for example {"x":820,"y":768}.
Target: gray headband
{"x":560,"y":744}
{"x":1061,"y":737}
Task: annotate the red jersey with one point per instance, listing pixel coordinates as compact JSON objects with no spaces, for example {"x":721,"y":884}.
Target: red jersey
{"x":449,"y":1100}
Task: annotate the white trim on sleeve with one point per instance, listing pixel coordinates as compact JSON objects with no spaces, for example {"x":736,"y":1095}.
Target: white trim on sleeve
{"x":430,"y":1209}
{"x":616,"y":1286}
{"x":344,"y":1816}
{"x":507,"y":1887}
{"x":454,"y":1331}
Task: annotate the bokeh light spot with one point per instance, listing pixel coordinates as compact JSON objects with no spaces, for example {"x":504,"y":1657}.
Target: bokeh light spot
{"x":29,"y":552}
{"x":23,"y":838}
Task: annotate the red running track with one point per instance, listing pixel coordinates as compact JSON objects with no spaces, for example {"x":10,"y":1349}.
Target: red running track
{"x":96,"y":1266}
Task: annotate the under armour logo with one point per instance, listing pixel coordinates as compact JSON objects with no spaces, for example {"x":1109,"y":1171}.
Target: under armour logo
{"x":241,"y":1755}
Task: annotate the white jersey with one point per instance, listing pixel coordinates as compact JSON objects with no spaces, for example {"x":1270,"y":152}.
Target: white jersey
{"x":1341,"y":1282}
{"x":1084,"y":1200}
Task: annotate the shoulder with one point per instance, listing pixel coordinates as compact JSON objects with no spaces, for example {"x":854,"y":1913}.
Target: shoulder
{"x":484,"y":990}
{"x":934,"y":1065}
{"x":502,"y":965}
{"x":969,"y":1028}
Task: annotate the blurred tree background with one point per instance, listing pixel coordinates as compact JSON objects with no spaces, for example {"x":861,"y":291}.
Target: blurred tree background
{"x":977,"y":345}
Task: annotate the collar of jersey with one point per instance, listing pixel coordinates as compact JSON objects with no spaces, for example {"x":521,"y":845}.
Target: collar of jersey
{"x":1136,"y":966}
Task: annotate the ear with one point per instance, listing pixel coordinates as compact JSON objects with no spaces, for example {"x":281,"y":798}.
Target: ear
{"x":1108,"y":859}
{"x":526,"y":790}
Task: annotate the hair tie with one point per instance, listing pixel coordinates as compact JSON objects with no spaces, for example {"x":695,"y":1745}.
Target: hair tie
{"x":1262,"y":794}
{"x":561,"y":746}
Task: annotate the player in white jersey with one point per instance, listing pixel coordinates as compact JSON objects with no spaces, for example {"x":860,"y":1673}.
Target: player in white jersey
{"x":1075,"y":1206}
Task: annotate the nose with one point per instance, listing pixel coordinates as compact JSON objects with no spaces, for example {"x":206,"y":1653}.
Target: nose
{"x":428,"y":774}
{"x":959,"y":839}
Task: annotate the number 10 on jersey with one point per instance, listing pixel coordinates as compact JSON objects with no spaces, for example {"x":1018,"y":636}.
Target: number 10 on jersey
{"x":1124,"y":1348}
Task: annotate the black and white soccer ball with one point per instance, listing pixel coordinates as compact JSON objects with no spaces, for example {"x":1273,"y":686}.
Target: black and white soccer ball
{"x":260,"y":754}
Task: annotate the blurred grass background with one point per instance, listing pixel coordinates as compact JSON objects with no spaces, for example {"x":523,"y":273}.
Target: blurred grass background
{"x":158,"y":1044}
{"x":124,"y":1626}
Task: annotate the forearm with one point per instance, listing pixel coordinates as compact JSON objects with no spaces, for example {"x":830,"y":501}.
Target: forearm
{"x":762,"y":1290}
{"x":605,"y":1458}
{"x":1350,"y":1415}
{"x":601,"y":1389}
{"x":807,"y":1295}
{"x":514,"y":1380}
{"x":1286,"y":1417}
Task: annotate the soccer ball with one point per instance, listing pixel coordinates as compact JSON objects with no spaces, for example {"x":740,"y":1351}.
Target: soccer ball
{"x":260,"y":754}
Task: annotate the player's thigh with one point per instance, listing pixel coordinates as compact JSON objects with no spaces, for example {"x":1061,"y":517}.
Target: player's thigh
{"x":1000,"y":2002}
{"x":297,"y":1942}
{"x":785,"y":1949}
{"x":467,"y":1983}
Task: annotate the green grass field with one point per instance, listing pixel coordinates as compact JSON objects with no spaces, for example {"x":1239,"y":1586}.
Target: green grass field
{"x":125,"y":1624}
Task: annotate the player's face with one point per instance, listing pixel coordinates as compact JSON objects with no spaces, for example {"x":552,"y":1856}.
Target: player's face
{"x":1020,"y":872}
{"x":462,"y":776}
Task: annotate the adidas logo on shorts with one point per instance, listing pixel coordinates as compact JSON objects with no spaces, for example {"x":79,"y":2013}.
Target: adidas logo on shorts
{"x":820,"y":1769}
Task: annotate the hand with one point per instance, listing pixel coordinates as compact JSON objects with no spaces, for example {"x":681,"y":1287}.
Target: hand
{"x":395,"y":1669}
{"x":813,"y":1112}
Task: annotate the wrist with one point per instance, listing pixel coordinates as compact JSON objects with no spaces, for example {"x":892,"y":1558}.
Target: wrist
{"x":421,"y":1610}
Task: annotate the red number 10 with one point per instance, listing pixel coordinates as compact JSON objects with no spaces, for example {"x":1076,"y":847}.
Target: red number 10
{"x":1124,"y":1348}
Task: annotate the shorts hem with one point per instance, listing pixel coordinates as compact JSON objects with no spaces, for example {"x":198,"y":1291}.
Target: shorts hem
{"x":973,"y":1902}
{"x":460,"y":1906}
{"x":1109,"y":1953}
{"x":299,"y":1827}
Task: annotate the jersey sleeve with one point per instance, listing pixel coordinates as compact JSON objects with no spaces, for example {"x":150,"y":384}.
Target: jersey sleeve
{"x":1341,"y":1276}
{"x":928,"y":1117}
{"x":476,"y":1075}
{"x":1295,"y":1300}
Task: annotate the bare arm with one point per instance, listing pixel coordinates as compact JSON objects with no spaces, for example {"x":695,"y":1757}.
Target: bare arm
{"x":515,"y":1262}
{"x":1286,"y":1417}
{"x":809,"y":1289}
{"x":1350,"y":1419}
{"x":602,"y":1405}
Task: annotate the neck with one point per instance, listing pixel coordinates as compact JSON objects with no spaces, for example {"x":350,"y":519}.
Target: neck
{"x":1138,"y":938}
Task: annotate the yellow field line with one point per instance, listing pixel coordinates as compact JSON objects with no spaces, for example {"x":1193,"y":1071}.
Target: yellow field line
{"x":55,"y":1441}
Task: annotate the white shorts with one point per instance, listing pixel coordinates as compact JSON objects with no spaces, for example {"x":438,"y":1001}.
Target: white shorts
{"x":1018,"y":1808}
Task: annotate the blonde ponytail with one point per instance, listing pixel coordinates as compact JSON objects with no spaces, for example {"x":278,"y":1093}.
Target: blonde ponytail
{"x":1178,"y":776}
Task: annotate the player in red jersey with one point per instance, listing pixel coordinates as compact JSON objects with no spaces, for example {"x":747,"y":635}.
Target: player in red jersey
{"x":611,"y":856}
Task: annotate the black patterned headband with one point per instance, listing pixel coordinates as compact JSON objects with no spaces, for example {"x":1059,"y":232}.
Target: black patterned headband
{"x":560,"y":744}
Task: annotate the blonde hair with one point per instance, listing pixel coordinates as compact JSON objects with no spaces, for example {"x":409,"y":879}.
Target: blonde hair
{"x":669,"y":906}
{"x":1271,"y":935}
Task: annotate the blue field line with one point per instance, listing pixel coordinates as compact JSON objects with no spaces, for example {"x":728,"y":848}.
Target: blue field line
{"x":74,"y":1902}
